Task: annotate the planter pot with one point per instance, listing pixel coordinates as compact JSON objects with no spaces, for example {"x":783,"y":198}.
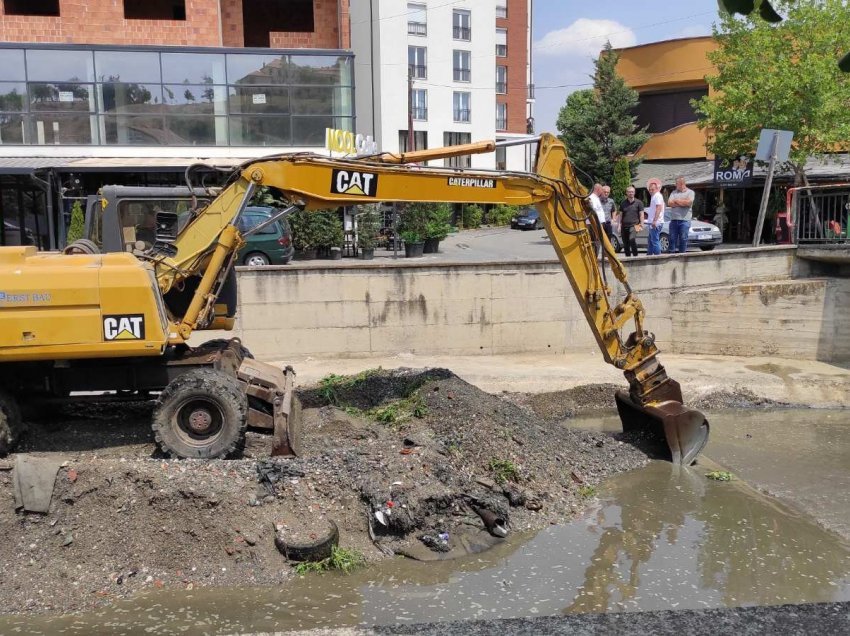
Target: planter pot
{"x":412,"y":250}
{"x":335,"y":253}
{"x":432,"y":246}
{"x":323,"y":252}
{"x":305,"y":255}
{"x":367,"y":253}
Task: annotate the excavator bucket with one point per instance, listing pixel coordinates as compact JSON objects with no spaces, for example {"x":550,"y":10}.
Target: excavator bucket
{"x":273,"y":405}
{"x":668,"y":422}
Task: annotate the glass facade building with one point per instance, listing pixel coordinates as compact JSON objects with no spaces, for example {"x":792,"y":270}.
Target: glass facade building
{"x":172,"y":96}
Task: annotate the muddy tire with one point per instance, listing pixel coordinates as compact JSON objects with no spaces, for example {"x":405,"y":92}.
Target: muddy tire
{"x":221,"y":343}
{"x":11,"y":424}
{"x":82,"y":246}
{"x":202,"y":414}
{"x":298,"y":547}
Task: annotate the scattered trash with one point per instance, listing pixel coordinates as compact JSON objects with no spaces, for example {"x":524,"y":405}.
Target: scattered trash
{"x":438,"y":544}
{"x":72,"y":475}
{"x":33,"y":480}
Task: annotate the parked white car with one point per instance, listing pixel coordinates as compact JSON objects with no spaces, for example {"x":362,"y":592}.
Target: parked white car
{"x":703,"y":235}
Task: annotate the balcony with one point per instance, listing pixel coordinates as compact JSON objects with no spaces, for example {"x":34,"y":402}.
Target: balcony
{"x":418,"y":71}
{"x":462,"y":114}
{"x":501,"y":88}
{"x":417,"y":28}
{"x":462,"y":74}
{"x":462,"y":33}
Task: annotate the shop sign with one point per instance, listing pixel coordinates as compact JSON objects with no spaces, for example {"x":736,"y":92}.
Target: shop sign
{"x":348,"y":143}
{"x":733,"y":173}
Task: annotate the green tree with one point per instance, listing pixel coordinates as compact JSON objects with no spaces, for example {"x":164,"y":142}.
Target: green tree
{"x":78,"y":223}
{"x":622,"y":179}
{"x":780,"y":76}
{"x":598,"y":125}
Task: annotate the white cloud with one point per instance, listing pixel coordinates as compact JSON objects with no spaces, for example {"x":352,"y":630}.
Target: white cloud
{"x":585,"y":37}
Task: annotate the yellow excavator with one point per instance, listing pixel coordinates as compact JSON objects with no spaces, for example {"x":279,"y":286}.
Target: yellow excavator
{"x":117,"y":324}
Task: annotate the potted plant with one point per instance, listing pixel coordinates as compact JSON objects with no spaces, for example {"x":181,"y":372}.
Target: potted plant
{"x":367,"y":231}
{"x":303,"y":225}
{"x":414,"y":244}
{"x":329,"y":234}
{"x":437,"y":227}
{"x":412,"y":228}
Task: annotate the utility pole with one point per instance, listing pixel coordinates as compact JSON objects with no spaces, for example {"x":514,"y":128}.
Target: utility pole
{"x":410,"y":137}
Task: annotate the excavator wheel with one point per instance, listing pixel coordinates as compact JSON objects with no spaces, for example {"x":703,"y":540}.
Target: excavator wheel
{"x":11,"y":424}
{"x":201,"y":414}
{"x":82,"y":246}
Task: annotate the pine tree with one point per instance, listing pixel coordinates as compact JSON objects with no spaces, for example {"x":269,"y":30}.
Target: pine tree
{"x":598,"y":125}
{"x":78,"y":223}
{"x":622,"y":179}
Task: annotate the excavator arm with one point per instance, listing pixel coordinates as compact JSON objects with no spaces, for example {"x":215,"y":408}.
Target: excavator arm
{"x":308,"y":181}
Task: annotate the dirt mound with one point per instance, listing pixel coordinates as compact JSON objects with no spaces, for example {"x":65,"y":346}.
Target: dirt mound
{"x":740,"y":398}
{"x":423,"y":462}
{"x":562,"y":405}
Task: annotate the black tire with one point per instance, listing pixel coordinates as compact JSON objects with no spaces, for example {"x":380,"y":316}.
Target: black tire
{"x":664,"y":241}
{"x":201,"y":414}
{"x":81,"y":246}
{"x":707,"y":248}
{"x":312,"y":550}
{"x":256,"y":259}
{"x":11,"y":424}
{"x":221,"y":343}
{"x":616,"y":244}
{"x":537,"y":225}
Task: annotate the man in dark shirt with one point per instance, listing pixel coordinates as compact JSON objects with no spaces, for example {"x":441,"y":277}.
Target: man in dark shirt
{"x":631,"y":221}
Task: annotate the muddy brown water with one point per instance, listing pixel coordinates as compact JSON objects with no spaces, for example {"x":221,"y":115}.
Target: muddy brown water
{"x":657,"y":538}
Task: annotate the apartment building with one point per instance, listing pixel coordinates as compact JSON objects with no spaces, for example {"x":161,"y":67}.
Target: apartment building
{"x":133,"y":91}
{"x":460,"y":70}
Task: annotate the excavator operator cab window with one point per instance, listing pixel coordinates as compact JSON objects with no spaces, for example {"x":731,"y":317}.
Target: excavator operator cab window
{"x":138,"y":224}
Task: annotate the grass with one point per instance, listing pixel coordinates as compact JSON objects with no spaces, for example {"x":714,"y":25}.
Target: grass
{"x":503,"y":470}
{"x":341,"y":559}
{"x":587,"y":491}
{"x":330,"y":385}
{"x":720,"y":475}
{"x":395,"y":413}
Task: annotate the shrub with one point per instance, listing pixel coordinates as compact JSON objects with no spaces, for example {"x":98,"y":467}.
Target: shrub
{"x":438,"y":221}
{"x":78,"y":222}
{"x":304,"y":230}
{"x":329,"y":232}
{"x":368,"y":225}
{"x":472,"y":216}
{"x":502,"y":214}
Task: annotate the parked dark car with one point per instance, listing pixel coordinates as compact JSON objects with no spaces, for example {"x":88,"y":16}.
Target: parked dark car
{"x":527,"y":219}
{"x":272,"y":245}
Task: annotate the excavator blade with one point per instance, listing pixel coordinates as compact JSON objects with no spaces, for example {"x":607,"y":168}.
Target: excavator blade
{"x":684,"y":430}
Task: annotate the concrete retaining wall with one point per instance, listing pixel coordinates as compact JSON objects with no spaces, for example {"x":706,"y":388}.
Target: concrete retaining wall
{"x":732,"y":301}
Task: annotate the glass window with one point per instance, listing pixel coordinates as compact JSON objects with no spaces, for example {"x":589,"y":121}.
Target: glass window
{"x":462,"y":66}
{"x":502,"y":79}
{"x":60,"y":66}
{"x":420,"y":140}
{"x":62,"y":97}
{"x":13,"y":96}
{"x":501,"y":158}
{"x":417,"y":19}
{"x":256,"y":69}
{"x":456,"y":139}
{"x":420,"y":104}
{"x":12,"y":128}
{"x":61,"y":128}
{"x":194,"y":99}
{"x":310,"y":131}
{"x":501,"y":11}
{"x":261,"y":131}
{"x":501,"y":42}
{"x":193,"y":68}
{"x":461,"y":25}
{"x":319,"y":69}
{"x":137,"y":130}
{"x":317,"y":101}
{"x":259,"y":99}
{"x":462,"y":106}
{"x":417,"y":61}
{"x":127,"y":66}
{"x":12,"y":64}
{"x":501,"y":116}
{"x":196,"y":130}
{"x":130,"y":98}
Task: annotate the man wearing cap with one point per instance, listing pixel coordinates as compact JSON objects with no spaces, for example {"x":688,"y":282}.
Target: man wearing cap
{"x":654,"y":217}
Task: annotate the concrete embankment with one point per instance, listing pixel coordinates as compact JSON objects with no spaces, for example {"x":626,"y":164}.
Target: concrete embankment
{"x":746,"y":302}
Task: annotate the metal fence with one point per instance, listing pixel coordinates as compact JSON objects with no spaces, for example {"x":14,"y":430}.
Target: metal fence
{"x":821,"y":213}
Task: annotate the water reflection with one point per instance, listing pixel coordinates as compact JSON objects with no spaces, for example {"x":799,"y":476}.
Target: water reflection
{"x":661,"y":537}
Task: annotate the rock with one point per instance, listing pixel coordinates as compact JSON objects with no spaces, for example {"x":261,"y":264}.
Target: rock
{"x":69,"y":539}
{"x":250,"y":539}
{"x":516,"y":497}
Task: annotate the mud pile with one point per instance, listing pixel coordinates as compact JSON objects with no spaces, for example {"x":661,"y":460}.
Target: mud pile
{"x":409,"y":462}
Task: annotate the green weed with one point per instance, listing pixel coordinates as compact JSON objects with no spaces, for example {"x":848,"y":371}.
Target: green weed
{"x":330,"y":385}
{"x":720,"y":475}
{"x":587,"y":491}
{"x":503,"y":470}
{"x":341,"y":559}
{"x":400,"y":411}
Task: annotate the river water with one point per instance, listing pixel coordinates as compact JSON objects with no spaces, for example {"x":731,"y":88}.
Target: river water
{"x":660,"y":537}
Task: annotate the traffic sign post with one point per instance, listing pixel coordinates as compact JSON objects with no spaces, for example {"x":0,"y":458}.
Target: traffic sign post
{"x":774,"y":145}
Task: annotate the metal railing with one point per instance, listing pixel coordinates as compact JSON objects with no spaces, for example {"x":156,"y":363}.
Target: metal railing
{"x":462,"y":74}
{"x":501,"y":123}
{"x":820,"y":214}
{"x":501,"y":87}
{"x":461,"y":114}
{"x":462,"y":33}
{"x":418,"y":71}
{"x":417,"y":28}
{"x":501,"y":50}
{"x":420,"y":113}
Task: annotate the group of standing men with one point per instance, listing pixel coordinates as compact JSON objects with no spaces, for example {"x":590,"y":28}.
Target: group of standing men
{"x":631,"y":216}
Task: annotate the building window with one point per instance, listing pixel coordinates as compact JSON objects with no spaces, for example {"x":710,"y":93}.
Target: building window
{"x":461,"y":25}
{"x":417,"y":61}
{"x":461,"y":107}
{"x":501,"y":42}
{"x":462,"y":66}
{"x":419,"y":104}
{"x":417,"y":19}
{"x":501,"y":116}
{"x":31,"y":7}
{"x":501,"y":158}
{"x":501,"y":11}
{"x":420,"y":140}
{"x":456,"y":139}
{"x":155,"y":9}
{"x":261,"y":18}
{"x":660,"y":112}
{"x":502,"y":79}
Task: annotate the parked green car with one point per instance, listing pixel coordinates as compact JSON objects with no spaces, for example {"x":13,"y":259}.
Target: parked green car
{"x":270,"y":246}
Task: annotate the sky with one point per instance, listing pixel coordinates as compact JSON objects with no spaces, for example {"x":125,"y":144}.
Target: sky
{"x":568,"y":35}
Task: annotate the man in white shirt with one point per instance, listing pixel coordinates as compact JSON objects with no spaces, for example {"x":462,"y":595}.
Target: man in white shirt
{"x":596,"y":204}
{"x":654,"y":216}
